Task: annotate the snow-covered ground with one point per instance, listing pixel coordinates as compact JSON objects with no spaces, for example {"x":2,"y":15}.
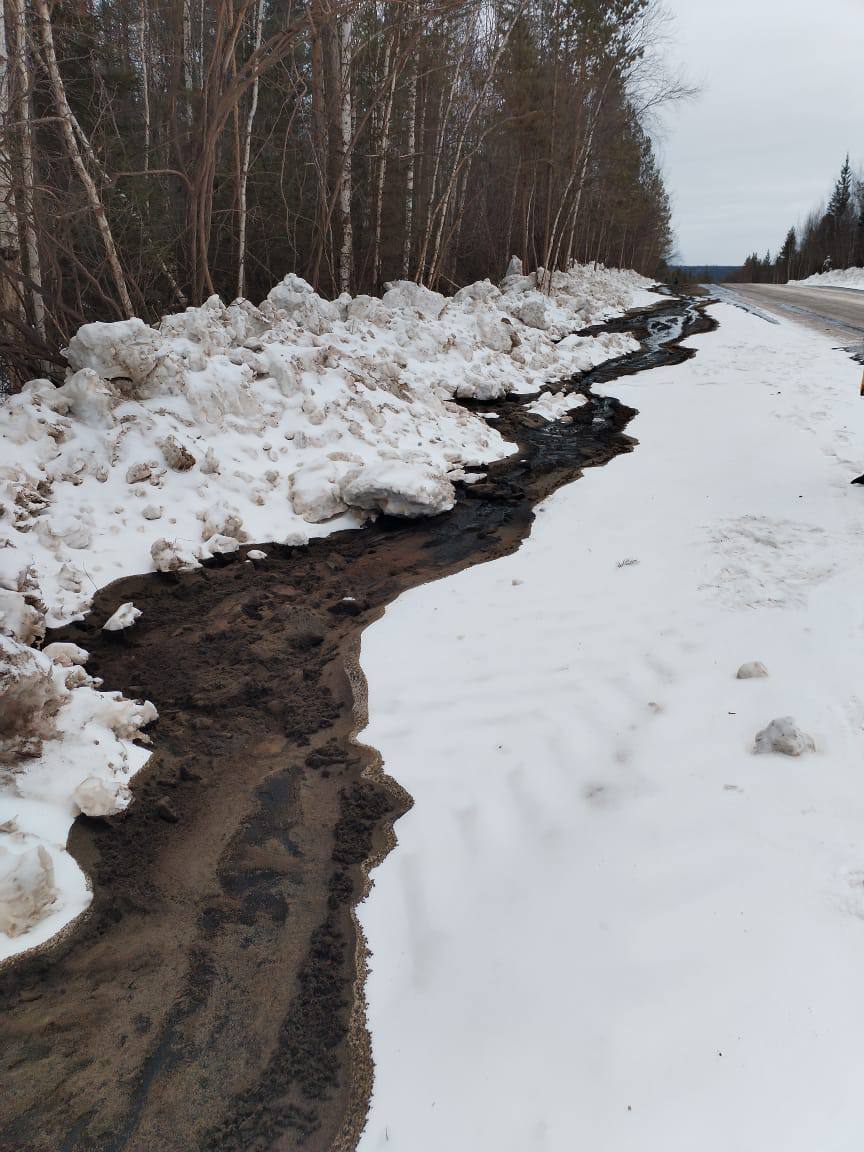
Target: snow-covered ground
{"x":222,"y":426}
{"x":842,"y":278}
{"x":608,"y":924}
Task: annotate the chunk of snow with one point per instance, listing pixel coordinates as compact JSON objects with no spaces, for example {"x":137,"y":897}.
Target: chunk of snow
{"x":256,"y":554}
{"x":126,"y":348}
{"x":176,"y":456}
{"x":218,"y":545}
{"x":27,"y":888}
{"x":784,"y":736}
{"x":406,"y":296}
{"x":398,"y":489}
{"x":171,"y":556}
{"x":65,"y":654}
{"x":124,"y":617}
{"x":752,"y":671}
{"x":20,"y":619}
{"x":554,"y":405}
{"x":29,"y":699}
{"x":135,"y":473}
{"x":97,"y":797}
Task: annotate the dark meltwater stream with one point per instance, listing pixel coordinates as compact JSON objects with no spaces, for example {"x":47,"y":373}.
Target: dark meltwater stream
{"x":211,"y":997}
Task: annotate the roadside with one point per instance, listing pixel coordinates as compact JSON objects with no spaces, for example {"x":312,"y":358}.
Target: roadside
{"x":607,"y":923}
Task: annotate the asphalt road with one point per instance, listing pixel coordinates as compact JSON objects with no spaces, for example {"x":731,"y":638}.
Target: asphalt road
{"x":837,"y":310}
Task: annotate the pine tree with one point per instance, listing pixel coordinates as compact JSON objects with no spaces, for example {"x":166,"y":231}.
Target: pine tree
{"x":787,"y":254}
{"x":841,"y":197}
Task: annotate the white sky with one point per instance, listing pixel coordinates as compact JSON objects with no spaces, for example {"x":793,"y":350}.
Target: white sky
{"x":782,"y":102}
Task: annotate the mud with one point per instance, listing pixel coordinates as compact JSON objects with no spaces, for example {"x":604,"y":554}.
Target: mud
{"x":211,"y":997}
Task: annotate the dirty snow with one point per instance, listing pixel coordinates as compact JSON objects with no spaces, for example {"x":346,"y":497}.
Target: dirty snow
{"x":225,"y":425}
{"x":608,"y":924}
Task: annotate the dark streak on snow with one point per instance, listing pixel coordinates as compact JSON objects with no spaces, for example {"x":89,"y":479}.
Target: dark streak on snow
{"x":211,"y":998}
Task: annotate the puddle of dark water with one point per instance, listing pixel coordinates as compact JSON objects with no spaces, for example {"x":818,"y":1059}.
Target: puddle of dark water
{"x":211,"y":998}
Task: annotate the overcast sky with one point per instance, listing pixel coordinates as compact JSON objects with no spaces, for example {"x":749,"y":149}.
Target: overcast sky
{"x":782,"y":101}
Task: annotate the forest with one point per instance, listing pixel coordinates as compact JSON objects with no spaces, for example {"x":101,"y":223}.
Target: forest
{"x":154,"y":152}
{"x":831,"y":238}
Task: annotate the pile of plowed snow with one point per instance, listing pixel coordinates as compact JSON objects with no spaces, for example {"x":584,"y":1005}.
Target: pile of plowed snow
{"x":842,"y":278}
{"x":225,"y":425}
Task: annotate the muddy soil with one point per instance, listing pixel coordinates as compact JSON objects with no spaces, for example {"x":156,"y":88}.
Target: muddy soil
{"x":211,"y":997}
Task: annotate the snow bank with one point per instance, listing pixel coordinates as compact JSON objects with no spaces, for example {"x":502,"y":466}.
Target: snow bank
{"x":222,"y":425}
{"x":842,"y":278}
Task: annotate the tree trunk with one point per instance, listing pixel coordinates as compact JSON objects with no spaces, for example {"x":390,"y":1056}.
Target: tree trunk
{"x":25,"y":192}
{"x":412,"y":167}
{"x":383,"y":146}
{"x":345,"y":149}
{"x":64,"y":113}
{"x":247,"y":150}
{"x":10,"y":256}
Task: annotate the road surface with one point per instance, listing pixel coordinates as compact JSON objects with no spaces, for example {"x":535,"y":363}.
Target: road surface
{"x":836,"y":310}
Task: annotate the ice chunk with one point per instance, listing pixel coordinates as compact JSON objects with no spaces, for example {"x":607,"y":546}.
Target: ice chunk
{"x":752,"y":671}
{"x":784,"y":736}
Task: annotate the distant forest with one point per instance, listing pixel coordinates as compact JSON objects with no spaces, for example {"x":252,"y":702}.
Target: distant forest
{"x":153,"y":152}
{"x":831,"y":237}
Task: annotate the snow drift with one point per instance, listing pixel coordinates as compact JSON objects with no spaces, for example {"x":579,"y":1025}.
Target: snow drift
{"x":225,"y":425}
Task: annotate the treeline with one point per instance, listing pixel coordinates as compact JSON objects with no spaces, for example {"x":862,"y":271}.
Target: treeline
{"x":832,"y":237}
{"x":153,"y":152}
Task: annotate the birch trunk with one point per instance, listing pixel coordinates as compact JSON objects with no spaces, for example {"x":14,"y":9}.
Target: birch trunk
{"x":444,"y":203}
{"x":10,"y":287}
{"x":247,"y":151}
{"x":64,"y":114}
{"x":346,"y":250}
{"x":409,"y":176}
{"x":25,"y":192}
{"x":145,"y":78}
{"x":383,"y":146}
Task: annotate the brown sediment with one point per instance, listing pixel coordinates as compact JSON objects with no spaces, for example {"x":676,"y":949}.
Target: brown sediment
{"x":212,"y":995}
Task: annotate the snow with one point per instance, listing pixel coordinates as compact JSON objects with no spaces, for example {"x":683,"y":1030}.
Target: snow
{"x":124,"y":617}
{"x":841,"y":278}
{"x":607,"y":924}
{"x":554,"y":405}
{"x":224,"y":425}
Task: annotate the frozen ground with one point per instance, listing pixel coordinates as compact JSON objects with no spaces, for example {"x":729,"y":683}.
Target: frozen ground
{"x":608,"y":924}
{"x":223,"y":426}
{"x":842,"y":278}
